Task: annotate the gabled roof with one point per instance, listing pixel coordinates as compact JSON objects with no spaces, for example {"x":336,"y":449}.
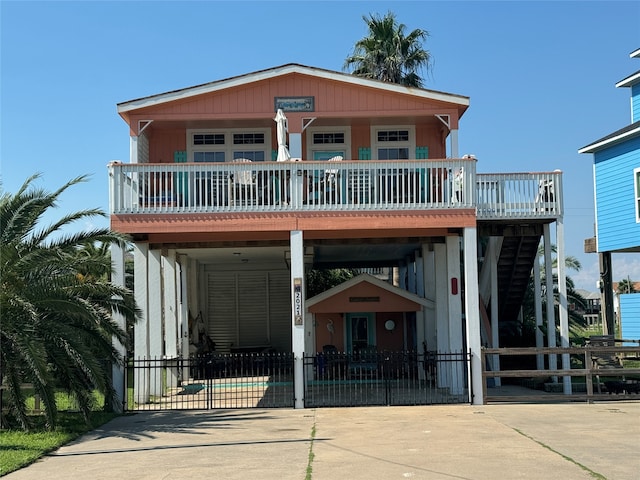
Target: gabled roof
{"x":630,"y":81}
{"x":634,"y":78}
{"x":365,"y":277}
{"x":290,"y":68}
{"x":622,"y":135}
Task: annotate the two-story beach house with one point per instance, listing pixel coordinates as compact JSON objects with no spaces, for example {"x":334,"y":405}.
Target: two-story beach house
{"x":235,"y":189}
{"x":616,"y":175}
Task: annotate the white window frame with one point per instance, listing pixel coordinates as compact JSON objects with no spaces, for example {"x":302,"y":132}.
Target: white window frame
{"x":325,"y":147}
{"x":636,"y":192}
{"x":228,"y":147}
{"x":410,"y":144}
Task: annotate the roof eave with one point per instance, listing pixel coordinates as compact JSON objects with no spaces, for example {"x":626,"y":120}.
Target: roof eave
{"x":630,"y":81}
{"x":365,"y":277}
{"x":218,"y":85}
{"x":610,"y":141}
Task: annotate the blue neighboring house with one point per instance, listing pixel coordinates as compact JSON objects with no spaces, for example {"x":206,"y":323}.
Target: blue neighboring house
{"x":616,"y":168}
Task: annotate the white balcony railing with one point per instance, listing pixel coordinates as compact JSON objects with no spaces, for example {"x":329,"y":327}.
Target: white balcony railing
{"x":320,"y":186}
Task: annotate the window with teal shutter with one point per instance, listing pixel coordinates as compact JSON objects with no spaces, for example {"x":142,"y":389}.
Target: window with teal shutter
{"x":422,"y":153}
{"x":182,"y":178}
{"x":364,"y":153}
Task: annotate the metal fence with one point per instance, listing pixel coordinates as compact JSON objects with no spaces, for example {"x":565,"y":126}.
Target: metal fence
{"x":216,"y":381}
{"x":265,"y":380}
{"x":334,"y":379}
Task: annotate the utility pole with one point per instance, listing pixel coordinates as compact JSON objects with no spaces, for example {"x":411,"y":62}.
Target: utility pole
{"x":606,"y":292}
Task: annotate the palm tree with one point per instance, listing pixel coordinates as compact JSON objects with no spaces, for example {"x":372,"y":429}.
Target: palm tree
{"x":522,"y":333}
{"x":626,"y":286}
{"x":387,"y":54}
{"x":57,"y":304}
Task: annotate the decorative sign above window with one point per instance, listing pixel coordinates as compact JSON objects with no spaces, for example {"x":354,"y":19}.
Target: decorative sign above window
{"x":295,"y":104}
{"x":364,"y":299}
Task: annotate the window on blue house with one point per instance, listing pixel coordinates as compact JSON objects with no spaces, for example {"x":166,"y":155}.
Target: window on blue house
{"x":636,"y":183}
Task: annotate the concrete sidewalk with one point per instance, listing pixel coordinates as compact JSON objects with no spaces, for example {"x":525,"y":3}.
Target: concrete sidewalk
{"x":563,"y":441}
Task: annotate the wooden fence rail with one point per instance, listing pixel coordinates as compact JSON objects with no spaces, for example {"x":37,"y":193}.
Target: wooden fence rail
{"x":591,"y":368}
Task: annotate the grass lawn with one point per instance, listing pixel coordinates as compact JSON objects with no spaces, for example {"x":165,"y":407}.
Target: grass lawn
{"x":18,"y":448}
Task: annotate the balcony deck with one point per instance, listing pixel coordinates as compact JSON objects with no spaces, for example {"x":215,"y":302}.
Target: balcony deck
{"x":253,"y":187}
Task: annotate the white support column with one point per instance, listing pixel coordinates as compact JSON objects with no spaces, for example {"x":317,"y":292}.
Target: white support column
{"x":442,"y":297}
{"x":170,"y":314}
{"x":472,"y":313}
{"x":156,"y":342}
{"x":183,"y":309}
{"x":141,"y":331}
{"x":295,"y":145}
{"x":170,"y":302}
{"x":133,"y":149}
{"x":297,"y":312}
{"x":419,"y":273}
{"x":411,"y":275}
{"x":454,"y":143}
{"x":537,"y":302}
{"x":117,"y":371}
{"x":456,"y":372}
{"x":551,"y":318}
{"x":494,"y":256}
{"x":562,"y":292}
{"x":192,"y":290}
{"x":429,"y":272}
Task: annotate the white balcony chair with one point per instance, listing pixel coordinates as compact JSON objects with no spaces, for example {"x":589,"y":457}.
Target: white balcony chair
{"x":242,"y":185}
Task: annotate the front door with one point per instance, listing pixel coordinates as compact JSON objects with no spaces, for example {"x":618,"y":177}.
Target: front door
{"x":361,"y":331}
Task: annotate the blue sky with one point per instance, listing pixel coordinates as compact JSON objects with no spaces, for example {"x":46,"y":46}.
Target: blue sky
{"x":540,"y":76}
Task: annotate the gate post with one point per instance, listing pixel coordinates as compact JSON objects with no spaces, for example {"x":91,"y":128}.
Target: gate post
{"x":297,"y":313}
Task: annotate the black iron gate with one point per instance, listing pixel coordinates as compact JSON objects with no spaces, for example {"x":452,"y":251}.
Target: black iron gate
{"x":334,"y":379}
{"x":266,"y":380}
{"x":212,"y":381}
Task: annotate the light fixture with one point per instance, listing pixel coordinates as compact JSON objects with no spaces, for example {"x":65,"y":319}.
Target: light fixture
{"x":308,"y":257}
{"x":390,"y":325}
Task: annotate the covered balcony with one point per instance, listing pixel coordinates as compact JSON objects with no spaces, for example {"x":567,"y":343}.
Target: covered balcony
{"x":254,"y":187}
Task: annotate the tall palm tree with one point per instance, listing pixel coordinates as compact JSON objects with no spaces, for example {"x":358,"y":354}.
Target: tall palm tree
{"x":626,"y":286}
{"x":387,"y":54}
{"x":522,"y":332}
{"x":56,"y":303}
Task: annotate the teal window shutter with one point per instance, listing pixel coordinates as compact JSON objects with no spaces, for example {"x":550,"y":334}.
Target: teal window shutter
{"x":364,"y":153}
{"x":422,"y":153}
{"x":274,"y":155}
{"x":182,"y":178}
{"x":180,"y":156}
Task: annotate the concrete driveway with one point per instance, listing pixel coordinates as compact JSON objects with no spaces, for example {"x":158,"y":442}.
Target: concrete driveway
{"x":514,"y":441}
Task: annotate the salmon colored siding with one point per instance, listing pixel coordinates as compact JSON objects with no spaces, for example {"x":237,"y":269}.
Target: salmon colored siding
{"x":389,"y":302}
{"x":164,"y":142}
{"x":257,"y":100}
{"x":385,"y":340}
{"x":324,"y":337}
{"x":390,"y":340}
{"x":360,"y":137}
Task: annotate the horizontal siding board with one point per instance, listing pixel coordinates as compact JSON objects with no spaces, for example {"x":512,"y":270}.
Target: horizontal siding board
{"x":615,"y":196}
{"x":221,"y":303}
{"x":257,"y":98}
{"x":252,"y":314}
{"x":280,"y":310}
{"x":630,"y":316}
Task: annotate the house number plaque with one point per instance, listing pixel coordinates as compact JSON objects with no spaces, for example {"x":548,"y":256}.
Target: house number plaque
{"x":297,"y":301}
